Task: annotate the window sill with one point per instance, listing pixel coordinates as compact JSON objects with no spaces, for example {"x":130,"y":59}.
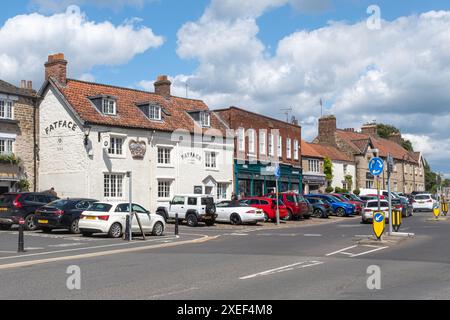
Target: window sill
{"x":121,"y":157}
{"x":165,"y":166}
{"x":212,"y":169}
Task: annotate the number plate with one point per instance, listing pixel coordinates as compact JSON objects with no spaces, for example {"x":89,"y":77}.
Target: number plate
{"x":91,"y":218}
{"x":43,"y":221}
{"x":3,"y":209}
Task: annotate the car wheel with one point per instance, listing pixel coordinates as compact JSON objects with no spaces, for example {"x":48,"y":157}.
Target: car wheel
{"x":30,"y":225}
{"x":115,"y":231}
{"x":266,"y":217}
{"x":158,"y":229}
{"x":318,"y":213}
{"x":87,"y":234}
{"x":192,"y":220}
{"x":74,"y":229}
{"x":5,"y":227}
{"x":290,"y":215}
{"x":340,"y":212}
{"x":46,"y":230}
{"x":235,"y":219}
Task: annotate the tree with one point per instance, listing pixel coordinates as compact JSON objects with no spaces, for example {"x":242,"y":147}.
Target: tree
{"x":328,"y":170}
{"x":349,"y":181}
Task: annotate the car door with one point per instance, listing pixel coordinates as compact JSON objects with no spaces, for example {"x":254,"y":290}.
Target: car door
{"x":120,"y":214}
{"x":144,"y":217}
{"x":178,"y":205}
{"x":223,"y":213}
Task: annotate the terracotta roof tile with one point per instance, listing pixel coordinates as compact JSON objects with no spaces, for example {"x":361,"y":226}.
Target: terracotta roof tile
{"x":77,"y":93}
{"x":331,"y":152}
{"x":308,"y":150}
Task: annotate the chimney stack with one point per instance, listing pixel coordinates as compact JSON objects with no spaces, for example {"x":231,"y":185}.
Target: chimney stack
{"x":30,"y":85}
{"x":371,"y":129}
{"x":23,"y":84}
{"x":162,"y":86}
{"x":56,"y":67}
{"x":327,"y":130}
{"x":396,"y":137}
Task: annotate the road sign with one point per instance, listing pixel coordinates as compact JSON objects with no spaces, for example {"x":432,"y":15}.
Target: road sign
{"x":376,"y":166}
{"x":379,"y":224}
{"x":277,"y":172}
{"x":396,"y":219}
{"x":437,"y":212}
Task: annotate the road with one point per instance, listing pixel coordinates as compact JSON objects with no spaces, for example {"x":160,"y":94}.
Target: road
{"x":319,"y":261}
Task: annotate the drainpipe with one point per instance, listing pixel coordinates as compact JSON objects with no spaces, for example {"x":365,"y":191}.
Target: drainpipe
{"x":35,"y":145}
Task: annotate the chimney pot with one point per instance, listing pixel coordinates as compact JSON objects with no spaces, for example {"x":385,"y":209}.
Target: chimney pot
{"x":163,"y":86}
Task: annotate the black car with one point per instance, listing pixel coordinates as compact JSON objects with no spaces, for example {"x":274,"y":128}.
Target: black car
{"x":320,"y":208}
{"x":16,"y":206}
{"x":404,"y":205}
{"x":62,"y":214}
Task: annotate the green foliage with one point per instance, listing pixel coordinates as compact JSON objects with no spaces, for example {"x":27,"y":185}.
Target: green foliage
{"x":349,"y":181}
{"x":328,"y":169}
{"x":23,"y":185}
{"x":385,"y":130}
{"x":337,"y":190}
{"x":329,"y":190}
{"x":9,"y":159}
{"x":357,"y":192}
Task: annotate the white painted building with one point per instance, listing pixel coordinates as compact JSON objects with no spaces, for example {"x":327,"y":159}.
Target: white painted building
{"x":341,"y":170}
{"x":92,"y":136}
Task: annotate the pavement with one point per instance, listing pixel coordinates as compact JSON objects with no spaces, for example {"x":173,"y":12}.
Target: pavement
{"x":315,"y":259}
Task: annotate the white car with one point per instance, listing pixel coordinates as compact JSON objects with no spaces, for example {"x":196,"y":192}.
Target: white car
{"x":424,"y":202}
{"x":110,"y":218}
{"x":238,"y":213}
{"x":371,"y":207}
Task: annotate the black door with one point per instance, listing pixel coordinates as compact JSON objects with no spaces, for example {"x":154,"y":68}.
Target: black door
{"x":4,"y":190}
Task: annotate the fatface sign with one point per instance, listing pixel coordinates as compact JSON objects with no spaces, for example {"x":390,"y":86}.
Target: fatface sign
{"x":191,"y":157}
{"x":61,"y":124}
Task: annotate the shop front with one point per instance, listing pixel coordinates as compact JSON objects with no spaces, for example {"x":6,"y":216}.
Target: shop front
{"x":314,"y":183}
{"x":9,"y":176}
{"x":258,"y":179}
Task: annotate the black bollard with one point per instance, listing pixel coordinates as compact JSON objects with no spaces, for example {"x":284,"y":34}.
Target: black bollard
{"x":176,"y":225}
{"x":21,"y":247}
{"x":127,"y":229}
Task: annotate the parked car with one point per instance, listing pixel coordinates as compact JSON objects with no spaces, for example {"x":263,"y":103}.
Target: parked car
{"x":16,"y":206}
{"x":358,"y":204}
{"x":371,"y":197}
{"x":111,"y":217}
{"x":297,"y":206}
{"x":62,"y":214}
{"x":372,"y":207}
{"x":424,"y":202}
{"x":352,"y":197}
{"x":238,"y":213}
{"x":403,"y":205}
{"x":268,"y":206}
{"x":385,"y":193}
{"x":320,"y":208}
{"x":340,"y":208}
{"x":192,"y":208}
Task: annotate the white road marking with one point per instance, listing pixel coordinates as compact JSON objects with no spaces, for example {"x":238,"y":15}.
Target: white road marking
{"x":367,"y":252}
{"x":65,"y":245}
{"x":313,"y":235}
{"x":340,"y":251}
{"x":298,"y":265}
{"x":172,"y":293}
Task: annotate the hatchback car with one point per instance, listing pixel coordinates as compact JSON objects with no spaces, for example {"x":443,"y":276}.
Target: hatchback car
{"x":237,"y":213}
{"x":341,"y":209}
{"x":16,"y":206}
{"x":268,"y":206}
{"x":358,"y":204}
{"x":372,"y":207}
{"x":62,"y":214}
{"x":320,"y":208}
{"x":296,"y":204}
{"x":424,"y":202}
{"x":110,"y":218}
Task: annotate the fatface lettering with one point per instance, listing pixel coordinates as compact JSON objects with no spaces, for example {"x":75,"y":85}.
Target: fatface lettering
{"x":194,"y":311}
{"x":61,"y":124}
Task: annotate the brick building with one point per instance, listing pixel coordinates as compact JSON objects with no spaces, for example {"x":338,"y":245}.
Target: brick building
{"x":313,"y":169}
{"x":262,"y":143}
{"x":409,"y":173}
{"x":18,"y":139}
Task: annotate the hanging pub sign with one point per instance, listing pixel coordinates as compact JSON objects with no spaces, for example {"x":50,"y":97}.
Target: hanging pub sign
{"x":138,"y":149}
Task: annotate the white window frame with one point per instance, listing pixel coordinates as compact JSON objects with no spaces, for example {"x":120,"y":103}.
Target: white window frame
{"x":114,"y":150}
{"x":109,"y":107}
{"x":211,"y":160}
{"x":154,"y":112}
{"x":296,"y":153}
{"x":241,"y":139}
{"x":280,"y":146}
{"x":6,"y":109}
{"x":113,"y":185}
{"x":288,"y":148}
{"x":252,"y":141}
{"x":262,"y":142}
{"x":271,"y":145}
{"x":6,"y":146}
{"x":222,"y":189}
{"x":164,"y":188}
{"x":205,"y":119}
{"x":314,"y":165}
{"x":165,"y":151}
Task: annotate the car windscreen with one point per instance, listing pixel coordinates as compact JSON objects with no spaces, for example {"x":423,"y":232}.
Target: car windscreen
{"x":422,"y":197}
{"x":333,"y":198}
{"x":374,"y":204}
{"x":100,"y":207}
{"x":58,"y":204}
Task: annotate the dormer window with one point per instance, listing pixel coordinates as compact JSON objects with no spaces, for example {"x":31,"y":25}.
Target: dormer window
{"x":109,"y":107}
{"x":6,"y":109}
{"x":205,"y":119}
{"x":153,"y":112}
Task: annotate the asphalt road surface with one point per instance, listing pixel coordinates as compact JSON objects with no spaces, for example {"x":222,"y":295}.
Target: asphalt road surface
{"x":318,"y":261}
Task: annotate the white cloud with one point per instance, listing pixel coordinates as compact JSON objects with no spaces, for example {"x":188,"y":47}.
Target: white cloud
{"x":27,"y":40}
{"x":398,"y":75}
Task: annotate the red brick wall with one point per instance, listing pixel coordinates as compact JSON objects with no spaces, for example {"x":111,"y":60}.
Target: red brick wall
{"x":238,"y":118}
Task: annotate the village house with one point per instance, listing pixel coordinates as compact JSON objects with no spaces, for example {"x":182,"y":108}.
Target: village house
{"x":18,"y":139}
{"x":261,"y":144}
{"x":314,"y":180}
{"x":409,"y":173}
{"x":95,"y":139}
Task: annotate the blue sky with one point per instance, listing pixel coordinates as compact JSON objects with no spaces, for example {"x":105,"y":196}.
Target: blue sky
{"x":264,"y":55}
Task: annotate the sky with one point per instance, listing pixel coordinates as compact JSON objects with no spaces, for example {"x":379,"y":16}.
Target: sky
{"x":382,"y":60}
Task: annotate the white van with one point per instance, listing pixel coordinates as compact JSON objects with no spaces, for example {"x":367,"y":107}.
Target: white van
{"x":385,"y":193}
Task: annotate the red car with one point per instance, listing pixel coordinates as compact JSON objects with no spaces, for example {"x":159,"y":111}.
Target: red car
{"x":268,"y":205}
{"x":358,"y":205}
{"x":297,"y":206}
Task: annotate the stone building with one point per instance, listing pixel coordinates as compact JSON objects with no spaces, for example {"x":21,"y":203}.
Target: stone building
{"x":18,"y":139}
{"x":314,"y":180}
{"x":409,"y":173}
{"x":261,"y":144}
